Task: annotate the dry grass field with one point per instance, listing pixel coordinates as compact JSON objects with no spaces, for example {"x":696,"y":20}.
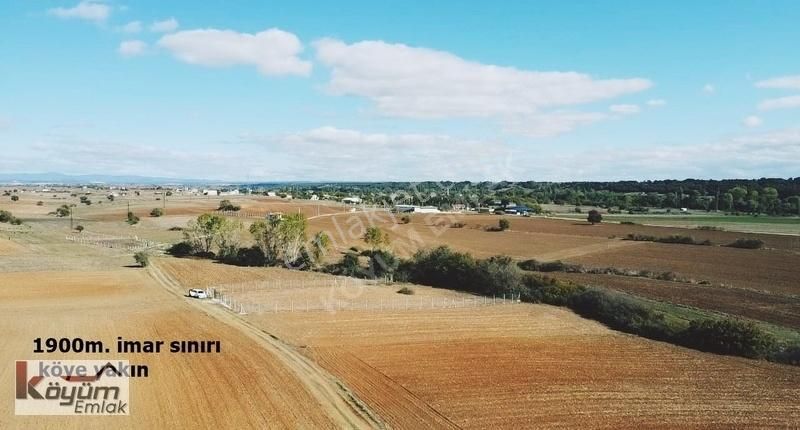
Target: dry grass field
{"x":519,"y":366}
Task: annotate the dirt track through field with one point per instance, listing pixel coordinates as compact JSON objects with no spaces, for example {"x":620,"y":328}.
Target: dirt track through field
{"x":336,"y":401}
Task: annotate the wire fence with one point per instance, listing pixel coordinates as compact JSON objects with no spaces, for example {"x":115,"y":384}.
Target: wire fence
{"x":126,"y":243}
{"x":246,"y":300}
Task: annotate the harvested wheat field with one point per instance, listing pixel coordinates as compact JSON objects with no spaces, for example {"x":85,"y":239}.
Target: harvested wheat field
{"x":260,"y":385}
{"x":518,"y":366}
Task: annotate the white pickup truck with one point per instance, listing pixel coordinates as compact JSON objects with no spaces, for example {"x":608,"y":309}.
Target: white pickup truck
{"x":198,"y":293}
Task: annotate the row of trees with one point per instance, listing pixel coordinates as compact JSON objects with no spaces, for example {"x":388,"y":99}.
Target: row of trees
{"x":770,"y":196}
{"x":277,"y":240}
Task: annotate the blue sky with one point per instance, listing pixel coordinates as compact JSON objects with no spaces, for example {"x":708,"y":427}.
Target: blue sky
{"x":357,"y":90}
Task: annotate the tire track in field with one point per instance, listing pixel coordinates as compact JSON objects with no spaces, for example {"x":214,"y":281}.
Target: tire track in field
{"x":337,"y":400}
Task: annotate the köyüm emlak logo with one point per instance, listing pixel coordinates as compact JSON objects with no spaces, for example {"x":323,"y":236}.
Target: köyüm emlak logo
{"x":72,"y":387}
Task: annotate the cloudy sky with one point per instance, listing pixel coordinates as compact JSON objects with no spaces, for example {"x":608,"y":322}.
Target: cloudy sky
{"x":401,"y":90}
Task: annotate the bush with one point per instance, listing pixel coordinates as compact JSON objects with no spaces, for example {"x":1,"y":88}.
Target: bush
{"x":594,"y":217}
{"x":406,"y":291}
{"x":180,"y":249}
{"x":788,"y":355}
{"x":226,"y":205}
{"x":142,"y":258}
{"x":14,"y":198}
{"x":709,"y":228}
{"x":382,"y":264}
{"x":543,"y":289}
{"x":40,"y":203}
{"x":132,"y":219}
{"x":620,"y":313}
{"x":175,"y":228}
{"x":675,"y":238}
{"x":79,"y":228}
{"x":6,"y":216}
{"x":445,"y":268}
{"x":252,"y":256}
{"x":747,"y":243}
{"x":627,"y":223}
{"x":348,"y":266}
{"x":156,"y":212}
{"x":405,"y":219}
{"x":550,"y":266}
{"x":457,"y":225}
{"x":728,"y":336}
{"x":503,"y":224}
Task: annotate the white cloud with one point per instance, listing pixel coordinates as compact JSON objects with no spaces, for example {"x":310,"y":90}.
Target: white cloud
{"x":131,"y":27}
{"x":132,"y":48}
{"x":656,"y":102}
{"x":783,"y":82}
{"x":752,"y":121}
{"x":165,"y":26}
{"x":625,"y":109}
{"x":772,"y":154}
{"x":88,"y":10}
{"x":273,"y":51}
{"x":552,"y":123}
{"x":412,"y":82}
{"x":323,"y":152}
{"x":787,"y":102}
{"x":709,"y":89}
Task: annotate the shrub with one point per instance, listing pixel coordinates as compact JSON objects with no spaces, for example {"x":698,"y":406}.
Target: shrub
{"x":675,"y":238}
{"x":226,"y":205}
{"x":550,"y":266}
{"x":443,"y":267}
{"x":543,"y":289}
{"x":594,"y":217}
{"x":348,"y":266}
{"x":498,"y":275}
{"x":709,"y":228}
{"x":156,"y":212}
{"x":14,"y":198}
{"x":405,"y":219}
{"x":63,"y":211}
{"x":627,"y":223}
{"x":788,"y":355}
{"x":79,"y":228}
{"x":40,"y":203}
{"x":132,"y":219}
{"x":382,"y":264}
{"x":457,"y":225}
{"x":406,"y":291}
{"x":5,"y":216}
{"x":747,"y":243}
{"x":620,"y":313}
{"x":180,"y":249}
{"x":252,"y":256}
{"x":175,"y":228}
{"x":142,"y":258}
{"x":728,"y":336}
{"x":503,"y":224}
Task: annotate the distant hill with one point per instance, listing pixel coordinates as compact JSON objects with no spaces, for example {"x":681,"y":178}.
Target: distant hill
{"x":60,"y":178}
